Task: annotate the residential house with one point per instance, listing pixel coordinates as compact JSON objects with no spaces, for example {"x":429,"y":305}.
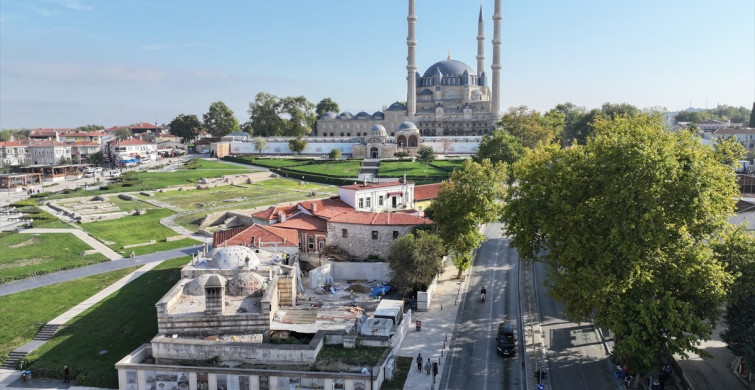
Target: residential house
{"x":364,"y":234}
{"x":424,"y":196}
{"x":48,"y":152}
{"x":145,"y":127}
{"x":130,"y":150}
{"x":745,"y":136}
{"x":378,"y":197}
{"x":14,"y":152}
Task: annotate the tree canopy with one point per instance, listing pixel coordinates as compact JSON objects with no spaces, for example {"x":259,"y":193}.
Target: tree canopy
{"x":91,"y":128}
{"x":219,"y":120}
{"x":728,"y":151}
{"x":123,"y":133}
{"x":720,"y":113}
{"x":472,"y":196}
{"x":187,"y":127}
{"x":326,"y":105}
{"x":271,"y":115}
{"x":297,"y":145}
{"x":530,"y":127}
{"x":500,"y":146}
{"x":425,"y":155}
{"x":335,"y":154}
{"x":415,"y":259}
{"x":627,"y":224}
{"x":259,"y":144}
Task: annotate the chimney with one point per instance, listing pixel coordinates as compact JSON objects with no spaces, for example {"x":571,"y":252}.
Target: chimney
{"x":314,"y":207}
{"x":281,"y":216}
{"x":213,"y":292}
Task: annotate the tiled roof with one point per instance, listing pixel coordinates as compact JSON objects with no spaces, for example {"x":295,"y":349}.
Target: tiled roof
{"x":371,"y":185}
{"x":143,"y":125}
{"x":48,"y":144}
{"x":85,"y":143}
{"x":365,"y":218}
{"x":426,"y":191}
{"x":132,"y":141}
{"x":268,"y":235}
{"x":271,"y":212}
{"x":44,"y":132}
{"x":326,"y":208}
{"x":304,"y":222}
{"x":13,"y":144}
{"x":733,"y":131}
{"x":86,"y":134}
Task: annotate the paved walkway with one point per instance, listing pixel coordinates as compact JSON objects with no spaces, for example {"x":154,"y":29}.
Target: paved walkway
{"x":83,"y":236}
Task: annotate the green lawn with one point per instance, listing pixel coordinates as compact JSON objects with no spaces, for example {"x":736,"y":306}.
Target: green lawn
{"x":349,"y":168}
{"x":278,"y":162}
{"x":136,"y":229}
{"x":400,"y":371}
{"x":118,"y":324}
{"x":24,"y":313}
{"x":448,"y":165}
{"x":364,"y":356}
{"x":25,"y":255}
{"x":412,"y":168}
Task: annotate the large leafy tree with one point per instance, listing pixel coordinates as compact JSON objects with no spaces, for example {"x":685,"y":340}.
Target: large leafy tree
{"x":472,"y":196}
{"x":326,"y":105}
{"x":274,"y":116}
{"x":123,"y":133}
{"x":530,"y":127}
{"x":500,"y":146}
{"x":297,"y":145}
{"x":259,"y":144}
{"x":219,"y":120}
{"x":425,"y":155}
{"x":415,"y":259}
{"x":728,"y":151}
{"x":187,"y":127}
{"x":626,"y":224}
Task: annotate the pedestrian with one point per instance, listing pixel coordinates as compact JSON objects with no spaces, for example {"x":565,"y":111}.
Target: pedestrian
{"x":427,"y":367}
{"x":65,"y":374}
{"x":419,"y":362}
{"x":353,"y":298}
{"x":435,"y":369}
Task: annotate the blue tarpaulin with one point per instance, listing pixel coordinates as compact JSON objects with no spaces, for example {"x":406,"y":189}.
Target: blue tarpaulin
{"x":380,"y":290}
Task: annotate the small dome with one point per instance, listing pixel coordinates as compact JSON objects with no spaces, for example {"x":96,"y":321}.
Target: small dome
{"x":425,"y":92}
{"x":377,"y":130}
{"x":378,"y":114}
{"x":397,"y":106}
{"x":196,"y":286}
{"x":328,"y":115}
{"x":232,"y":257}
{"x":245,"y":283}
{"x":346,"y":115}
{"x":476,"y":92}
{"x":407,"y":126}
{"x":448,"y":68}
{"x":362,"y":115}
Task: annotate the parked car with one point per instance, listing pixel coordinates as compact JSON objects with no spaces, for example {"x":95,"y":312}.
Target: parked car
{"x":506,"y":339}
{"x":89,"y":174}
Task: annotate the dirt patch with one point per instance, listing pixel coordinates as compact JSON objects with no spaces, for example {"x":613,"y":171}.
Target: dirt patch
{"x":30,"y":241}
{"x":23,"y":263}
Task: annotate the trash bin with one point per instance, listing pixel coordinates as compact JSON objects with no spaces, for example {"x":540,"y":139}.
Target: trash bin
{"x":419,"y":325}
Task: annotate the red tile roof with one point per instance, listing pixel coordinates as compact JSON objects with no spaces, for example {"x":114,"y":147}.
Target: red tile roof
{"x":143,"y":126}
{"x":304,"y":222}
{"x":326,"y":208}
{"x":84,"y":143}
{"x":365,"y":218}
{"x":86,"y":134}
{"x":13,"y":143}
{"x":426,"y":191}
{"x":48,"y":144}
{"x":246,"y":235}
{"x":371,"y":185}
{"x":271,"y":212}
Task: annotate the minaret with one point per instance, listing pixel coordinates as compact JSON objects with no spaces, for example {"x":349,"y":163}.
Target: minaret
{"x":480,"y":44}
{"x":496,"y":99}
{"x":411,"y":67}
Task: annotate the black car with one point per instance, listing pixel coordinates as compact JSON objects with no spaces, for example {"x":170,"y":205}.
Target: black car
{"x":506,"y":339}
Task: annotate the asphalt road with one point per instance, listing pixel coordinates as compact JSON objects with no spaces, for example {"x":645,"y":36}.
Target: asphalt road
{"x":576,"y":353}
{"x":474,"y":363}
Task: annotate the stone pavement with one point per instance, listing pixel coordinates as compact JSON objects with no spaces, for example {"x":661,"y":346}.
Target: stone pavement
{"x":434,"y":338}
{"x":83,"y":236}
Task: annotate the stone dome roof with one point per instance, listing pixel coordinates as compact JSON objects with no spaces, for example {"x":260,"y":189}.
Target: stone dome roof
{"x":448,"y":68}
{"x":362,"y":115}
{"x":196,"y":285}
{"x":346,"y":115}
{"x":245,"y":283}
{"x":328,"y":115}
{"x":397,"y":106}
{"x":378,"y":114}
{"x":377,"y":130}
{"x":407,"y":126}
{"x":232,"y":257}
{"x":476,"y":92}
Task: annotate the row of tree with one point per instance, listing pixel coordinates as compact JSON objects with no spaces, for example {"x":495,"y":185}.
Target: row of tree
{"x":632,"y":223}
{"x":720,"y":113}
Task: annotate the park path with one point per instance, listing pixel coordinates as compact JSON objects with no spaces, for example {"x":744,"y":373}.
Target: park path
{"x":83,"y":236}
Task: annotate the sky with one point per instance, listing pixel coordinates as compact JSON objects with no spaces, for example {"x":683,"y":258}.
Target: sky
{"x":68,"y":63}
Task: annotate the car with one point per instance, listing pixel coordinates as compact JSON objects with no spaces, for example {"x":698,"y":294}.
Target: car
{"x":506,"y":339}
{"x":89,"y":174}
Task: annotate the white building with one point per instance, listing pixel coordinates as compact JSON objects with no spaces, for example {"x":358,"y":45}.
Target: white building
{"x":49,"y":152}
{"x":378,"y":197}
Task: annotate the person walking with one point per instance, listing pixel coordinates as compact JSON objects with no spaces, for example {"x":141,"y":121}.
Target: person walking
{"x":66,"y":373}
{"x":419,"y":362}
{"x":435,"y":369}
{"x":427,"y":367}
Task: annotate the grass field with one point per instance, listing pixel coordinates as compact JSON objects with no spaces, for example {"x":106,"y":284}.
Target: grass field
{"x":259,"y":193}
{"x":448,"y":165}
{"x":349,"y":168}
{"x":24,"y":313}
{"x":25,"y":255}
{"x":136,"y":229}
{"x":412,"y":168}
{"x":279,"y":162}
{"x":400,"y":372}
{"x":118,"y":324}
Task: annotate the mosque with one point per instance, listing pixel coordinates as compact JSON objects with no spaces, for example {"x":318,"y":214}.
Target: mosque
{"x":449,"y":108}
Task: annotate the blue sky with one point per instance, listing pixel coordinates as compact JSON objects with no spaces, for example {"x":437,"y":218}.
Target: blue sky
{"x":66,"y":63}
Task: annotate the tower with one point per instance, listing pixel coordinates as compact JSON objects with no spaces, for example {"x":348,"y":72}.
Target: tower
{"x":411,"y":66}
{"x":480,"y":44}
{"x":495,"y":106}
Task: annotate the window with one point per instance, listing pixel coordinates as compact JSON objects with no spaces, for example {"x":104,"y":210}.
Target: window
{"x":322,"y":244}
{"x":380,"y":200}
{"x":361,"y":203}
{"x":395,"y":234}
{"x":374,"y":235}
{"x":344,"y":233}
{"x":368,"y":202}
{"x":311,"y":243}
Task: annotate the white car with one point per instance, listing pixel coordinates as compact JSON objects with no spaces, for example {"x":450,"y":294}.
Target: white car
{"x":89,"y":174}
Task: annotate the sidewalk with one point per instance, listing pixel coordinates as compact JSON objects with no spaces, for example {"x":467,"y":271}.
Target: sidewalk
{"x":437,"y":329}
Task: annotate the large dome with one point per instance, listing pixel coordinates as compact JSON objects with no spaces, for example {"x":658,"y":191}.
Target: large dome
{"x":233,"y":257}
{"x":448,"y":68}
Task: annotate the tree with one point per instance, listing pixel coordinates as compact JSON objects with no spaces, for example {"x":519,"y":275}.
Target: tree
{"x":728,"y":151}
{"x":572,"y":115}
{"x":752,"y":117}
{"x":401,"y":154}
{"x":259,"y":144}
{"x":500,"y":146}
{"x":297,"y":145}
{"x":531,"y":128}
{"x":123,"y":133}
{"x":219,"y":120}
{"x":335,"y":154}
{"x":446,"y":143}
{"x":326,"y":105}
{"x":472,"y":196}
{"x":90,"y":128}
{"x":95,"y":158}
{"x":274,"y":116}
{"x":415,"y":259}
{"x":187,"y":127}
{"x":625,"y":224}
{"x":425,"y":155}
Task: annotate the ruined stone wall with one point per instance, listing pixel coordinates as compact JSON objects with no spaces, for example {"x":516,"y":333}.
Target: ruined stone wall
{"x":359,"y":241}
